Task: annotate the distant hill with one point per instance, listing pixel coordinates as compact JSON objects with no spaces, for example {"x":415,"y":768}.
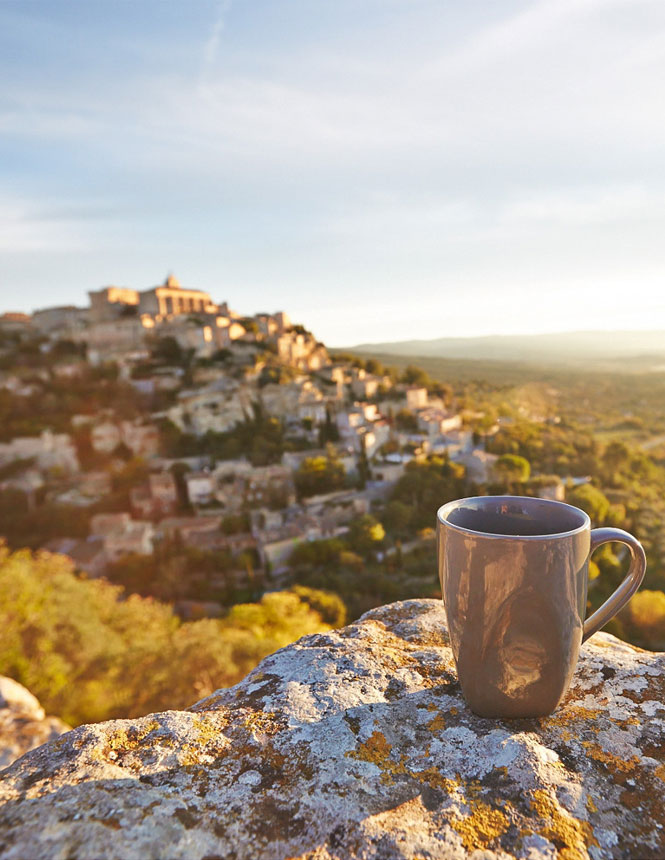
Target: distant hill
{"x":564,"y":347}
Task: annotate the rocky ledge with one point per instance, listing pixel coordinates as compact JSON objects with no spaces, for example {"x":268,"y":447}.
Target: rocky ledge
{"x":23,"y":723}
{"x":357,"y":743}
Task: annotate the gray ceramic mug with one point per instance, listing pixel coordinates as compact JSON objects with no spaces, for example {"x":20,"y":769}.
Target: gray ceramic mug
{"x":514,"y":573}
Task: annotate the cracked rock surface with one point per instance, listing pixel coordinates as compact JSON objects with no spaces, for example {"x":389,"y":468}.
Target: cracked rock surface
{"x":357,"y":743}
{"x":23,"y":723}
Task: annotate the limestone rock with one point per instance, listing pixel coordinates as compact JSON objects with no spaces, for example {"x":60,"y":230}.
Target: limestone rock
{"x":23,"y":724}
{"x":357,"y":743}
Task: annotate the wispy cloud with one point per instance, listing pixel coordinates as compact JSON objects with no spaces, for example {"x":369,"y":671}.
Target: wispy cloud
{"x":429,"y":153}
{"x":211,"y":46}
{"x":28,"y":227}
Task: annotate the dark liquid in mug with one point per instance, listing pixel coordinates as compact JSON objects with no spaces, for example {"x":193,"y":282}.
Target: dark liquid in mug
{"x":514,"y":519}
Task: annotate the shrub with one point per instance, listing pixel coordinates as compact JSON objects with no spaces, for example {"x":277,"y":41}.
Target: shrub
{"x":89,"y":654}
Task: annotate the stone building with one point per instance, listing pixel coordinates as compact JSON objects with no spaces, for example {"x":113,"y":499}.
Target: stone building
{"x":479,"y":465}
{"x":269,"y":484}
{"x":272,"y":324}
{"x":95,"y":485}
{"x":63,"y":320}
{"x":553,"y":490}
{"x":298,"y":398}
{"x":171,"y":299}
{"x":158,"y":496}
{"x":105,"y":437}
{"x":301,"y":350}
{"x":366,"y":386}
{"x":121,"y":535}
{"x":110,"y":303}
{"x":87,"y":553}
{"x":113,"y":338}
{"x":200,"y":487}
{"x":15,"y":322}
{"x":142,"y":439}
{"x":163,"y":491}
{"x":226,"y":331}
{"x":217,"y":407}
{"x":282,"y":320}
{"x":140,"y":501}
{"x":416,"y":397}
{"x":389,"y":471}
{"x":267,"y":324}
{"x":48,"y":452}
{"x":434,"y":422}
{"x":187,"y":527}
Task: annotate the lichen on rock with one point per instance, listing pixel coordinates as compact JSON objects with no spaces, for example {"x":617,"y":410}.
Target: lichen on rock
{"x":358,"y":743}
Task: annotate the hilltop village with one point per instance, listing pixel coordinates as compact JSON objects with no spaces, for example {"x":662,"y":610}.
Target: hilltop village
{"x":157,"y":426}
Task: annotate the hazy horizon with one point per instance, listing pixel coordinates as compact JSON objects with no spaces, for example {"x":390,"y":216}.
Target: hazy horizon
{"x":646,"y":329}
{"x":382,"y":170}
{"x":527,"y":334}
{"x":594,"y":348}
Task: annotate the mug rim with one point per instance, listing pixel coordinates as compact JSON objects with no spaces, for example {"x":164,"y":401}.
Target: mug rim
{"x":444,"y":510}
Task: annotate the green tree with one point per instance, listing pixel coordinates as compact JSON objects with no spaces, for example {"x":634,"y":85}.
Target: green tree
{"x":425,"y":486}
{"x":375,"y":367}
{"x":134,"y":472}
{"x":260,"y":435}
{"x":615,"y":457}
{"x":328,"y":431}
{"x":397,"y":518}
{"x":645,"y":615}
{"x":416,"y":376}
{"x":329,"y":605}
{"x":89,"y":652}
{"x":364,"y":473}
{"x":366,"y":535}
{"x":179,"y":470}
{"x":512,"y":469}
{"x":406,"y":421}
{"x":233,"y":524}
{"x":317,"y":475}
{"x":167,"y":350}
{"x":317,"y":553}
{"x":591,"y":500}
{"x":23,"y":525}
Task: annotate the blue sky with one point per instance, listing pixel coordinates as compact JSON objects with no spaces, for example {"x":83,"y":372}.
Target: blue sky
{"x":381,"y":169}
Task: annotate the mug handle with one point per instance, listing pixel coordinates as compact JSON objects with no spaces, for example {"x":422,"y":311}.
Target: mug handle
{"x":632,"y":581}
